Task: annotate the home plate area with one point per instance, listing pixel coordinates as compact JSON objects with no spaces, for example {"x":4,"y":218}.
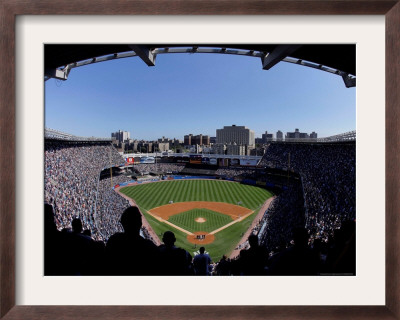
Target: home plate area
{"x":201,"y":238}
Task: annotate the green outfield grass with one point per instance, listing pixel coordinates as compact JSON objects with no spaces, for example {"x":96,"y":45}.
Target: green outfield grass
{"x":151,"y":195}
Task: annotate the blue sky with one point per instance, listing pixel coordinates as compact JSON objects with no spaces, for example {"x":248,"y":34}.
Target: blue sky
{"x":197,"y":93}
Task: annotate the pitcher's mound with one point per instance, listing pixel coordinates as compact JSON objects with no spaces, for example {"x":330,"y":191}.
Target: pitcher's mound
{"x":201,"y":237}
{"x":200,"y":220}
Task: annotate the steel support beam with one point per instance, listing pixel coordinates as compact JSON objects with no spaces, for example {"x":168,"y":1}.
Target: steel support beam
{"x":57,"y":74}
{"x":277,"y":55}
{"x":145,"y":54}
{"x":348,"y":81}
{"x":281,"y":53}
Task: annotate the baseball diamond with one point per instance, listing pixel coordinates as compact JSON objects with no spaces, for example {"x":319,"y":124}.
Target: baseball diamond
{"x":200,"y":212}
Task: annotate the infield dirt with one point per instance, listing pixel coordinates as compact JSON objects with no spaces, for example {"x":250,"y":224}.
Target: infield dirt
{"x":169,"y":210}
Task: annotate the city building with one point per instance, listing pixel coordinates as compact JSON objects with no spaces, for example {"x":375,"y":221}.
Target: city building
{"x":235,"y":149}
{"x":145,"y":146}
{"x":313,"y":135}
{"x":187,"y":139}
{"x":135,"y":146}
{"x":293,"y":135}
{"x":207,"y":150}
{"x":163,"y":139}
{"x":299,"y":135}
{"x":267,"y":137}
{"x":176,"y":142}
{"x":121,"y":136}
{"x":257,"y":152}
{"x":279,"y":135}
{"x":249,"y":150}
{"x":201,"y":140}
{"x":236,"y":134}
{"x":219,"y":148}
{"x":162,"y":146}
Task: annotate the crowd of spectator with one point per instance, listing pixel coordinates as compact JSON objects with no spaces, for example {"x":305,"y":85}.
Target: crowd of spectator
{"x":198,"y":171}
{"x":109,"y":206}
{"x":328,"y":177}
{"x":233,"y":172}
{"x":145,"y":168}
{"x":76,"y":189}
{"x":299,"y":256}
{"x":71,"y":182}
{"x":285,"y":213}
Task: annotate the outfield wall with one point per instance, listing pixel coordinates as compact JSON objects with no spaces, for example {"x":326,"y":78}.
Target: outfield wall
{"x":258,"y":183}
{"x":169,"y":178}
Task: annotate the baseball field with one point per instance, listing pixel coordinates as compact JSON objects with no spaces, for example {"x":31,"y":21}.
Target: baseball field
{"x":210,"y":213}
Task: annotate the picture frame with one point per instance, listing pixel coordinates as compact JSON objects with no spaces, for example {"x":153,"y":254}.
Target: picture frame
{"x":8,"y":12}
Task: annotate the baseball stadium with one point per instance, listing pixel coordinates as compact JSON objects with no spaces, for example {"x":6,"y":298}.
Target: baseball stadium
{"x":289,"y":210}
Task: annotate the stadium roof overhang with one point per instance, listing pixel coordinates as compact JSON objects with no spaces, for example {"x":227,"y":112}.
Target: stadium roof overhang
{"x":339,"y":59}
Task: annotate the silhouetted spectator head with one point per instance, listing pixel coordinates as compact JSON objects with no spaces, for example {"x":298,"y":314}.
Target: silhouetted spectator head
{"x":76,"y":225}
{"x":338,"y":236}
{"x":49,"y":224}
{"x":349,"y":228}
{"x":131,"y":220}
{"x":202,"y":249}
{"x":300,"y":237}
{"x":169,"y":238}
{"x":317,"y":243}
{"x":87,"y":232}
{"x":253,"y":240}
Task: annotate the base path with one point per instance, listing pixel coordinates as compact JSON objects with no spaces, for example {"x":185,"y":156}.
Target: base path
{"x":231,"y":223}
{"x":167,"y":222}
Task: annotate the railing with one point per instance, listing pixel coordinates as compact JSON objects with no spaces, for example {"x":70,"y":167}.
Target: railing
{"x":342,"y":137}
{"x":58,"y":135}
{"x":347,"y":136}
